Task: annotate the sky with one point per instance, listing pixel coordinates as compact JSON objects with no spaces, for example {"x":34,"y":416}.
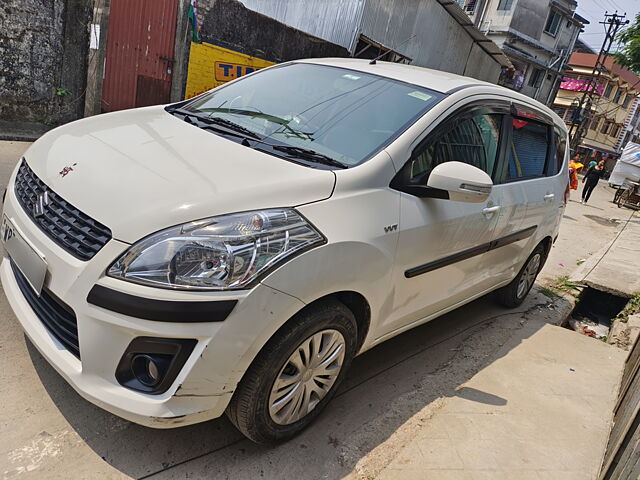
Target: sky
{"x":593,"y":10}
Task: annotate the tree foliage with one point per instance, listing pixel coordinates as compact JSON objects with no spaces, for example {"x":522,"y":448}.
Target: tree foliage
{"x":629,"y":53}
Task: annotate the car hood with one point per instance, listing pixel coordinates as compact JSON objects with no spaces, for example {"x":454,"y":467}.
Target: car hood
{"x":142,"y":170}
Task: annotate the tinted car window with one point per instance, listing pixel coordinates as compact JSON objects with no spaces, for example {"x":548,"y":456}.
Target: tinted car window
{"x":527,"y":152}
{"x":560,"y":150}
{"x":474,"y":141}
{"x":344,"y":114}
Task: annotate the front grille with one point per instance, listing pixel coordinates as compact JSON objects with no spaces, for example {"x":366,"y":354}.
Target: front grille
{"x":57,"y":317}
{"x":76,"y":232}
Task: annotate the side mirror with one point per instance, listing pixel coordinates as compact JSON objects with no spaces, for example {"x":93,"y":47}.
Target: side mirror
{"x":463,"y":182}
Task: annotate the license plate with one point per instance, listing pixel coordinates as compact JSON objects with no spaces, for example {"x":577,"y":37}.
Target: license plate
{"x":24,"y":256}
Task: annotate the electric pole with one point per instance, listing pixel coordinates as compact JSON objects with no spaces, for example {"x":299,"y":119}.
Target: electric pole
{"x":582,"y":113}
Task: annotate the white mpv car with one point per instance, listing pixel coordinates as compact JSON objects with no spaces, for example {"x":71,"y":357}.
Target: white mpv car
{"x":234,"y":252}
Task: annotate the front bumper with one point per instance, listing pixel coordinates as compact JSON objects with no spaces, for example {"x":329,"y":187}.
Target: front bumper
{"x":205,"y":384}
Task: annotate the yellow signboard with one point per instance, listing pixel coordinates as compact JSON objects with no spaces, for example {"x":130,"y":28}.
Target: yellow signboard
{"x":210,"y":66}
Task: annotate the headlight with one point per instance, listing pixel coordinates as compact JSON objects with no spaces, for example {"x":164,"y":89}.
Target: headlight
{"x":225,"y":252}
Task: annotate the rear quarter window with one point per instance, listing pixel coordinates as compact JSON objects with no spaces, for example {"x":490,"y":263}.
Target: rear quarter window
{"x":559,"y":152}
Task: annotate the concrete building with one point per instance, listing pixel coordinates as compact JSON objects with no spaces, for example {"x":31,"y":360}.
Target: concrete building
{"x":631,"y":132}
{"x":538,"y":36}
{"x":612,"y":116}
{"x":428,"y":33}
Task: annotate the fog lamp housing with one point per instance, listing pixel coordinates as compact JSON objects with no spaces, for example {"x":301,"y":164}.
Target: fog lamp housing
{"x":150,"y":365}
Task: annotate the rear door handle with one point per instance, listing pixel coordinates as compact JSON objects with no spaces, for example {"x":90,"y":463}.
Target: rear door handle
{"x":549,"y":196}
{"x":490,"y":210}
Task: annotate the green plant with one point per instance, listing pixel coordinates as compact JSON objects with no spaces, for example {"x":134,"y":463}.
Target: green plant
{"x":559,"y":286}
{"x":548,"y":292}
{"x":563,"y":284}
{"x":62,"y":92}
{"x":628,"y":54}
{"x":48,"y":122}
{"x":632,"y":307}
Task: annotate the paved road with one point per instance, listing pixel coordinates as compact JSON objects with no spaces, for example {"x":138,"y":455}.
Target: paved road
{"x":48,"y":431}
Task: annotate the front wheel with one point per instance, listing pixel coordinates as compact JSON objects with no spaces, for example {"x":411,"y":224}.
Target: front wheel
{"x":296,"y":374}
{"x":514,"y":294}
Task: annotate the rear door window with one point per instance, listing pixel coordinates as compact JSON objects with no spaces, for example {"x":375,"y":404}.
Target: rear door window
{"x":528,"y":150}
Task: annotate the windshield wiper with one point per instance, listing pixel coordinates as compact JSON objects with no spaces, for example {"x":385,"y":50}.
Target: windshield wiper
{"x":240,"y":131}
{"x":308,"y":154}
{"x":220,"y":121}
{"x":271,"y":118}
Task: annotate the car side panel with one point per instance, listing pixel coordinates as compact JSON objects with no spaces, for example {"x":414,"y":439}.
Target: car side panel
{"x":360,"y":222}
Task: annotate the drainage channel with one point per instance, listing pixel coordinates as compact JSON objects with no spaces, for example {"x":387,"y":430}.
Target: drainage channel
{"x":594,"y":312}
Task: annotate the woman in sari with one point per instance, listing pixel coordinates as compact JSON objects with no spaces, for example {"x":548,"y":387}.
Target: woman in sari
{"x":575,"y":167}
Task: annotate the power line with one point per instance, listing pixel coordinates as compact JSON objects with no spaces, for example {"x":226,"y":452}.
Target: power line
{"x":582,"y":114}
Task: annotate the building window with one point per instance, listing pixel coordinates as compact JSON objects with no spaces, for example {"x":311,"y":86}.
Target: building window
{"x":615,"y":131}
{"x":607,"y":91}
{"x":469,"y":6}
{"x":619,"y":93}
{"x":605,"y":127}
{"x":594,"y":124}
{"x":627,"y":99}
{"x":553,"y":23}
{"x":535,"y":80}
{"x":505,"y":4}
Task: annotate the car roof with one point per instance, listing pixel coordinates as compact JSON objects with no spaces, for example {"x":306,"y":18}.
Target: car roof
{"x":443,"y":82}
{"x":437,"y":80}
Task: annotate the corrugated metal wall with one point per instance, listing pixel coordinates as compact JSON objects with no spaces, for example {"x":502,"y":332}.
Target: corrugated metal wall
{"x":440,"y":42}
{"x":336,"y":21}
{"x":139,"y":53}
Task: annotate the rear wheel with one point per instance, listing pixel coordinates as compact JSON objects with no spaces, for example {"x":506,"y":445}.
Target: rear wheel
{"x":296,"y":374}
{"x":624,"y":198}
{"x":514,"y":294}
{"x":617,"y":195}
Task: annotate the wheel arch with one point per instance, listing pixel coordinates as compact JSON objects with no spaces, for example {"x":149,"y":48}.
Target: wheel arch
{"x":547,"y":243}
{"x":354,"y":301}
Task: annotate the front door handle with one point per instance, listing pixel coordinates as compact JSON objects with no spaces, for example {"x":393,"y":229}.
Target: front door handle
{"x":490,"y":210}
{"x":549,"y":196}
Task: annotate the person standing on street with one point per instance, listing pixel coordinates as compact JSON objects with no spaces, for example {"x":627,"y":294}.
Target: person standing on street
{"x":575,"y":167}
{"x":590,"y":180}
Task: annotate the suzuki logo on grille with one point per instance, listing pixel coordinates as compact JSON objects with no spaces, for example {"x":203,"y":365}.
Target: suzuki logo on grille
{"x":41,"y":201}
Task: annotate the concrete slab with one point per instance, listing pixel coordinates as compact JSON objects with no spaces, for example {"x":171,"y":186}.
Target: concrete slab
{"x":542,"y":410}
{"x":615,"y":268}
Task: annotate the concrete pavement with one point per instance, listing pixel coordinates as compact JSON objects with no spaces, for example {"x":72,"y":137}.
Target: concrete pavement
{"x":614,"y":268}
{"x":540,"y":411}
{"x":584,"y":231}
{"x":477,"y":359}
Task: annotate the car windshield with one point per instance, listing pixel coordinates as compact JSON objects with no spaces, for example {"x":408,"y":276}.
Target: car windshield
{"x":320,"y":112}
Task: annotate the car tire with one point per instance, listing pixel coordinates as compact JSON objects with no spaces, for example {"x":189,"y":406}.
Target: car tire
{"x":265,"y":411}
{"x":513,"y":295}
